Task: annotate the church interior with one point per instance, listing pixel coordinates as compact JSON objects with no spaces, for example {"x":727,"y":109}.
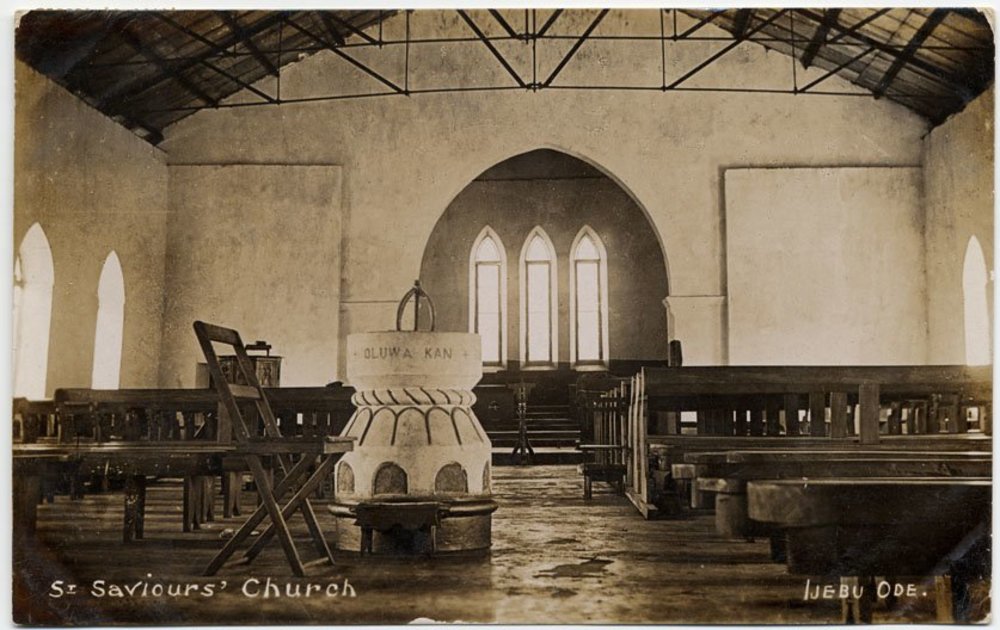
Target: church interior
{"x":503,"y":316}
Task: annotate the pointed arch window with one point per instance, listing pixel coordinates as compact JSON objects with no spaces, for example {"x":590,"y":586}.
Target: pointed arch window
{"x":975,"y":281}
{"x":538,"y":303}
{"x":488,"y":296}
{"x":108,"y":335}
{"x":33,"y":279}
{"x":588,"y":300}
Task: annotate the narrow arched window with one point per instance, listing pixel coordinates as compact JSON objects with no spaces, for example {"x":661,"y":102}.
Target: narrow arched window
{"x":588,"y":300}
{"x":975,"y":280}
{"x":538,"y":304}
{"x":110,"y":326}
{"x":488,"y":296}
{"x":33,"y":278}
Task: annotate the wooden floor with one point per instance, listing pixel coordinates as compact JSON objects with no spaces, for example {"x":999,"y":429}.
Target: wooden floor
{"x":555,"y":559}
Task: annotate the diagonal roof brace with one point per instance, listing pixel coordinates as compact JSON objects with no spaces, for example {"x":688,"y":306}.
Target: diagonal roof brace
{"x":245,"y":38}
{"x":701,"y":66}
{"x":576,"y":47}
{"x":340,"y":53}
{"x":164,"y":67}
{"x":830,"y":17}
{"x":912,"y":46}
{"x":496,"y":53}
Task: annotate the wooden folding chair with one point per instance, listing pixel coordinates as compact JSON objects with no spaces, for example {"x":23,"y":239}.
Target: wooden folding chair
{"x":283,"y":450}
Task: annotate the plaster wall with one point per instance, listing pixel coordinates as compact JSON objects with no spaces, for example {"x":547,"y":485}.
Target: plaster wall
{"x":958,"y":184}
{"x":256,"y":248}
{"x":405,"y":159}
{"x":93,"y":187}
{"x":826,"y":266}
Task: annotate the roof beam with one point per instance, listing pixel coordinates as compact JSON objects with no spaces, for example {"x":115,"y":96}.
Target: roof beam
{"x":837,"y":69}
{"x":932,"y":21}
{"x":331,"y":29}
{"x":548,"y":23}
{"x":222,"y":52}
{"x":854,"y":33}
{"x":351,"y":28}
{"x":190,"y":33}
{"x":246,"y":39}
{"x":240,"y":82}
{"x":725,"y":50}
{"x":705,"y":20}
{"x":741,"y":22}
{"x":830,"y":17}
{"x":340,"y":53}
{"x":496,"y":53}
{"x":130,"y":91}
{"x":503,"y":23}
{"x":576,"y":46}
{"x":848,"y":32}
{"x":164,"y":67}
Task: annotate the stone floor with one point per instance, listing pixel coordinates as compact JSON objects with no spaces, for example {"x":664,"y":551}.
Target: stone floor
{"x":555,"y":559}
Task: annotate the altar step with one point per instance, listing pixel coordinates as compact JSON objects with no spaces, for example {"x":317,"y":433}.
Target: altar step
{"x":544,"y":456}
{"x":537,"y":437}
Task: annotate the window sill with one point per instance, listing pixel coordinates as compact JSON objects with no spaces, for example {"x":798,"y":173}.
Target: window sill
{"x":537,"y":368}
{"x":590,"y":367}
{"x":493,"y":369}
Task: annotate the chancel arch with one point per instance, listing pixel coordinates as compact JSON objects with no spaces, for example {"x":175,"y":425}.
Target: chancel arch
{"x":560,"y":194}
{"x":34,"y":275}
{"x":110,"y":327}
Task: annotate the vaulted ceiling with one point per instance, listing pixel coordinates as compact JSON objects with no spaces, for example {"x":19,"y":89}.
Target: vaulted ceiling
{"x":149,"y":69}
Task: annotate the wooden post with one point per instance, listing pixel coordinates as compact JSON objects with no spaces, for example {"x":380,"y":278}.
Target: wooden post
{"x":741,"y":421}
{"x":894,"y":425}
{"x":756,"y":420}
{"x":868,"y":398}
{"x":919,"y":424}
{"x":817,"y":414}
{"x":27,"y":494}
{"x":934,"y":415}
{"x":791,"y":414}
{"x":135,"y":507}
{"x":955,"y":422}
{"x":773,"y":421}
{"x":702,"y":422}
{"x":838,"y":415}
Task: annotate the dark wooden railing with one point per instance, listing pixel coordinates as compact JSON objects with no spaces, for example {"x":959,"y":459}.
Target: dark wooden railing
{"x":173,"y":414}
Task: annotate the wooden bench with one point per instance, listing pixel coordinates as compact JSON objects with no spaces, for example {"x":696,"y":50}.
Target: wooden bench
{"x":725,"y":476}
{"x":882,"y":527}
{"x":669,"y":454}
{"x":132,"y":461}
{"x":607,"y":415}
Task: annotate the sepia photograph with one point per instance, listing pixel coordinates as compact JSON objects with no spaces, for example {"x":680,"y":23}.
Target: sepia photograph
{"x":510,"y":316}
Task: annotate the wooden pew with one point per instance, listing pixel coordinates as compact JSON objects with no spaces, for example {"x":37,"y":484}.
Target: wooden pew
{"x":607,"y":414}
{"x":725,"y":475}
{"x":863,"y":528}
{"x":801,"y":406}
{"x":34,"y":420}
{"x":176,"y":421}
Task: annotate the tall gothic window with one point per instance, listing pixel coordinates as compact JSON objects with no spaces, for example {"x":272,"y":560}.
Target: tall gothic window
{"x":33,"y":278}
{"x":588,"y":300}
{"x":488,"y":293}
{"x":538,"y":304}
{"x":975,"y":281}
{"x":110,"y":325}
